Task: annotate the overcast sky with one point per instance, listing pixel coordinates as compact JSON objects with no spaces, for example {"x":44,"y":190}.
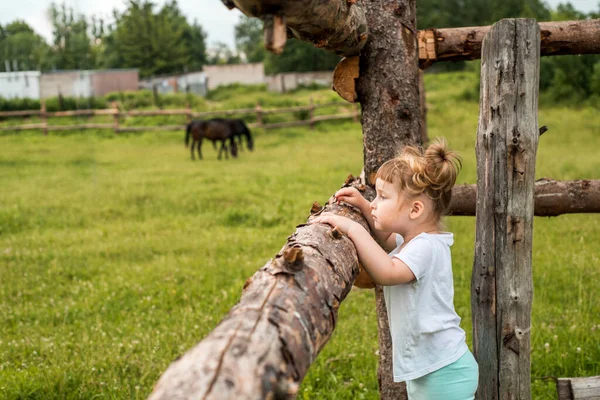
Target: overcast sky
{"x":214,"y":17}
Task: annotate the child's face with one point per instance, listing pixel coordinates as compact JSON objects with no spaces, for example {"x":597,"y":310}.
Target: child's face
{"x":387,"y":207}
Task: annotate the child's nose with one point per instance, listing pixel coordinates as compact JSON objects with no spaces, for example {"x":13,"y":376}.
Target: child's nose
{"x":372,"y":204}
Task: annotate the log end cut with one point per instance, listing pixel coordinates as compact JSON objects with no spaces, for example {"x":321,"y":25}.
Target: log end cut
{"x":344,"y":78}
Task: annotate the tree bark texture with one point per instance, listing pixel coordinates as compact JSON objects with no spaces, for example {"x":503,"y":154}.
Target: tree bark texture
{"x":507,"y":137}
{"x":557,"y":38}
{"x":551,"y":198}
{"x":388,"y":84}
{"x":388,"y":90}
{"x":423,"y":108}
{"x":287,"y":312}
{"x":335,"y":25}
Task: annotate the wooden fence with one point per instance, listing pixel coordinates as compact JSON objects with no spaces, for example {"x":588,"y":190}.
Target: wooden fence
{"x":258,"y":111}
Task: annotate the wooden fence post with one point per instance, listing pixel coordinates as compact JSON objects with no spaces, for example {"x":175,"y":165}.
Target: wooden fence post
{"x":311,"y":113}
{"x":188,"y":115}
{"x":44,"y":117}
{"x":355,"y":112}
{"x":507,"y":137}
{"x":259,"y":119}
{"x":116,"y":117}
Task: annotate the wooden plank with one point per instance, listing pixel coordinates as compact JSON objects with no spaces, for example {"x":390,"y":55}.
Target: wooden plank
{"x":332,"y":117}
{"x":44,"y":117}
{"x":507,"y":136}
{"x":285,"y":109}
{"x":587,"y":388}
{"x":77,"y":113}
{"x":224,"y":112}
{"x":23,"y":127}
{"x":135,"y":113}
{"x":151,"y":128}
{"x":286,"y":124}
{"x":79,"y":127}
{"x":563,"y":387}
{"x":20,"y":113}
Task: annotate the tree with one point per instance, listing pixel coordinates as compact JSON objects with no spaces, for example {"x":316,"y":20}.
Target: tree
{"x":249,"y":39}
{"x":570,"y":78}
{"x":195,"y":40}
{"x":152,"y":42}
{"x":220,"y":53}
{"x":459,"y":13}
{"x":299,"y":56}
{"x":20,"y":44}
{"x":72,"y":45}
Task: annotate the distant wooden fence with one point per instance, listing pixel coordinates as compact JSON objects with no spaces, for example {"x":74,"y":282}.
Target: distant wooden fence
{"x":353,"y":113}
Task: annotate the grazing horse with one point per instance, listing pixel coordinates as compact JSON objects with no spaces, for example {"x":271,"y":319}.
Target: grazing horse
{"x":214,"y":130}
{"x":241,"y":130}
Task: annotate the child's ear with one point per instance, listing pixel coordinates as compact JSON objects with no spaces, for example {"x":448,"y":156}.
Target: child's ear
{"x":417,"y":209}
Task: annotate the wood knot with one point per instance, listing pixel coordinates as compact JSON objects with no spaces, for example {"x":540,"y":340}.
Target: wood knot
{"x":247,"y":283}
{"x":316,"y":207}
{"x":349,"y":179}
{"x":335,"y":233}
{"x":293,"y":254}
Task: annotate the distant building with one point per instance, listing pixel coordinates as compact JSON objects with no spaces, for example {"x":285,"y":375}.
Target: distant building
{"x":245,"y":74}
{"x":87,"y":83}
{"x":192,"y":82}
{"x":20,"y":84}
{"x":291,"y":80}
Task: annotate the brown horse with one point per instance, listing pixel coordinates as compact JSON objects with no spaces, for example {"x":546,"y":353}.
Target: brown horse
{"x":240,"y":130}
{"x":214,"y":130}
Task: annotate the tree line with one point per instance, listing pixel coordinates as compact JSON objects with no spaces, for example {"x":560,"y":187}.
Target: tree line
{"x":161,"y":40}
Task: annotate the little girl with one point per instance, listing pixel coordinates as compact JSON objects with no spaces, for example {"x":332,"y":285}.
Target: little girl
{"x":413,"y":193}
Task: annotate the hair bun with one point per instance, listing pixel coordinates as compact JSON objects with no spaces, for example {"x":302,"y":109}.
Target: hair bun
{"x":443,"y":165}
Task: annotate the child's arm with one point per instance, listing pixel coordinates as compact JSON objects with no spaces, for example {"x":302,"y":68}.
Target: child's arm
{"x":382,"y":269}
{"x":350,"y":195}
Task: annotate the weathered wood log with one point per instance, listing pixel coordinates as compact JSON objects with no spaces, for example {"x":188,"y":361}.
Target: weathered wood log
{"x":287,"y":312}
{"x":587,"y":388}
{"x":335,"y":25}
{"x":388,"y":90}
{"x":551,"y":198}
{"x":423,"y":108}
{"x":557,"y":38}
{"x":507,"y":137}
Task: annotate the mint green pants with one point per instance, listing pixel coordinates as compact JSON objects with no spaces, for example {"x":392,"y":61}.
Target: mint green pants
{"x":457,"y":381}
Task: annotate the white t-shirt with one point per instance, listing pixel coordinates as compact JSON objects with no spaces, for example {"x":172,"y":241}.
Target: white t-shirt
{"x":425,"y":330}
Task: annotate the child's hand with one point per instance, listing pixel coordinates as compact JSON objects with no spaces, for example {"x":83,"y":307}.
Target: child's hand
{"x":342,"y":223}
{"x":351,"y":196}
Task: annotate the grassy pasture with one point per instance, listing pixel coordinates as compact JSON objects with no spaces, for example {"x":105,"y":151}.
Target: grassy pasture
{"x":117,"y":253}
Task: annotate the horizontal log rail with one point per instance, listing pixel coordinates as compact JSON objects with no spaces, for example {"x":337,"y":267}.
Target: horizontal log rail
{"x":287,"y":312}
{"x":557,"y":38}
{"x":117,"y":127}
{"x":339,"y":26}
{"x":551,"y":198}
{"x":183,"y":111}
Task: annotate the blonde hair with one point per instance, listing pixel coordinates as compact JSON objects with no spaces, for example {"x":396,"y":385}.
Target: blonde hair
{"x":432,"y":171}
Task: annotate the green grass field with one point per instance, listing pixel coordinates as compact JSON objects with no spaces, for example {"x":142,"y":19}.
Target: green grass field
{"x":117,"y":253}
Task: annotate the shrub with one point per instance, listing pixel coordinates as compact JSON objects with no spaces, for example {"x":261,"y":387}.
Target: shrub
{"x":225,"y":92}
{"x":19,"y":104}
